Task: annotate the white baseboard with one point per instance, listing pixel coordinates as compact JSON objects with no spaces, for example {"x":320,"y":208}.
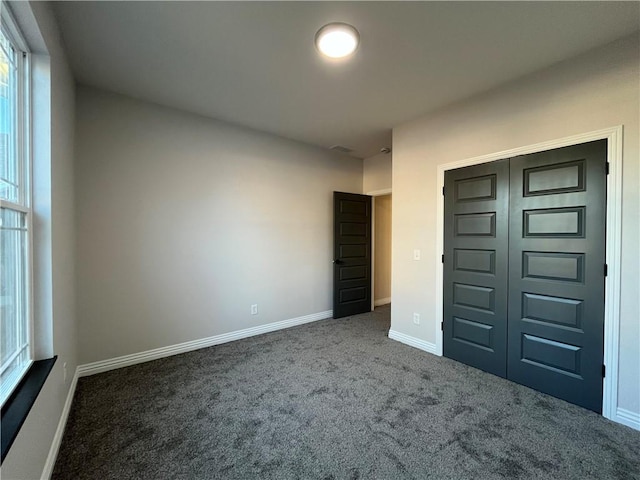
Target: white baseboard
{"x":382,"y":301}
{"x":156,"y":353}
{"x":623,"y":416}
{"x":628,"y":418}
{"x":57,"y":438}
{"x":413,"y":342}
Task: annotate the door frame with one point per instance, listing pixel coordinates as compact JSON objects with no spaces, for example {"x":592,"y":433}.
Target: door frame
{"x":612,"y":252}
{"x":374,"y":193}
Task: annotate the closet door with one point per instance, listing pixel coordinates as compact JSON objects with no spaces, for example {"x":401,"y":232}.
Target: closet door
{"x":556,"y":272}
{"x":475,"y":266}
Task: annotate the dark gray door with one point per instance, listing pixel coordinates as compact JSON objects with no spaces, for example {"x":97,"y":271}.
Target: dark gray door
{"x":556,"y":272}
{"x":352,"y":254}
{"x":524,"y":270}
{"x":475,"y":266}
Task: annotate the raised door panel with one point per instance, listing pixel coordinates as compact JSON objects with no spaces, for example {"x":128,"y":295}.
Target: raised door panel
{"x":556,"y":272}
{"x":475,"y":267}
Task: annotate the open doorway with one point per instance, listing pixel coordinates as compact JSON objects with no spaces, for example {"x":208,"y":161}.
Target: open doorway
{"x":381,"y":262}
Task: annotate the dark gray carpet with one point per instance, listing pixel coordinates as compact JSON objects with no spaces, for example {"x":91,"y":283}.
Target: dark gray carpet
{"x":335,"y":399}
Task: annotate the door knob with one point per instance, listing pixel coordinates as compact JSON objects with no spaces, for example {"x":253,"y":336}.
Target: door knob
{"x":337,"y":261}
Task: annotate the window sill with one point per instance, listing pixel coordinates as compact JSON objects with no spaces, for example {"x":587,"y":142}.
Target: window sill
{"x":19,"y":403}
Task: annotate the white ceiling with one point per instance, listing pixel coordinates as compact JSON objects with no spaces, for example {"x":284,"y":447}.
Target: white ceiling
{"x":254,"y":63}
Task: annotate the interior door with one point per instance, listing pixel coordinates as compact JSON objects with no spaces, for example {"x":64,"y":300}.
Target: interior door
{"x":475,"y":266}
{"x":556,"y":279}
{"x":524,"y":269}
{"x":352,"y":254}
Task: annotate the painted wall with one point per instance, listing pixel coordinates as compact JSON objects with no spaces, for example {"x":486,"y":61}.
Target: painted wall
{"x":594,"y":91}
{"x":377,"y":173}
{"x":382,"y":255}
{"x":54,"y":231}
{"x":185,"y":222}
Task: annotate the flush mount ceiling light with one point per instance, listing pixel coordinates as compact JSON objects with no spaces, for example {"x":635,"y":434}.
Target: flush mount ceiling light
{"x":337,"y":40}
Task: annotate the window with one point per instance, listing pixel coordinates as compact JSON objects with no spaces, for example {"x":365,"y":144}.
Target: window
{"x":15,"y":209}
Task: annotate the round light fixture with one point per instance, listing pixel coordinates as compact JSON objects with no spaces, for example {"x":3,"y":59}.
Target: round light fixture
{"x":337,"y":40}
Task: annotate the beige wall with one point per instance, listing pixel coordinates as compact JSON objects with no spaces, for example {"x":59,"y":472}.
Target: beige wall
{"x":382,"y":245}
{"x":591,"y":92}
{"x":54,"y":228}
{"x":185,"y":222}
{"x":377,"y":173}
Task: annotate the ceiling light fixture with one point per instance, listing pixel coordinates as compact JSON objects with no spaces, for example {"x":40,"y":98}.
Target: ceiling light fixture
{"x":337,"y":40}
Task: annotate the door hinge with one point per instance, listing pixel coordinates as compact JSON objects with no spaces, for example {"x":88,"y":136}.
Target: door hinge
{"x":442,"y":190}
{"x":442,"y":326}
{"x":606,"y":269}
{"x":442,"y":258}
{"x":604,"y":371}
{"x":607,"y":168}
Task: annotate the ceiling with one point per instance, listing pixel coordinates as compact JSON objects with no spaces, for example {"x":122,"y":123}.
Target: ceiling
{"x":254,"y":63}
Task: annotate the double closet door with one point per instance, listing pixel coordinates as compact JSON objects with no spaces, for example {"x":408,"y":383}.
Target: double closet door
{"x":524,"y":268}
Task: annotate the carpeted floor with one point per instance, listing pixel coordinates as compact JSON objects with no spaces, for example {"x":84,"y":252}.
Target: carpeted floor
{"x":335,"y":399}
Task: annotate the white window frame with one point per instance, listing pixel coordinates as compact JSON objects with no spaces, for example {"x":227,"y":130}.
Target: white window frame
{"x":25,"y":180}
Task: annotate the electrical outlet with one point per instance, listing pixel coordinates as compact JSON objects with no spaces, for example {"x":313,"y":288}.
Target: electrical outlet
{"x":64,"y":372}
{"x":416,"y":254}
{"x":254,"y":309}
{"x":416,"y":318}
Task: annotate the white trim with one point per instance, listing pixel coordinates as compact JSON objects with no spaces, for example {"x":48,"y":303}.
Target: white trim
{"x":625,"y":417}
{"x":375,"y":193}
{"x":12,"y":28}
{"x":127,"y":360}
{"x":156,"y":353}
{"x":57,"y":438}
{"x":14,"y":206}
{"x":628,"y":418}
{"x":613,"y":243}
{"x":379,"y":193}
{"x":613,"y":255}
{"x":24,"y":202}
{"x":373,"y":253}
{"x":382,"y":301}
{"x":412,"y":341}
